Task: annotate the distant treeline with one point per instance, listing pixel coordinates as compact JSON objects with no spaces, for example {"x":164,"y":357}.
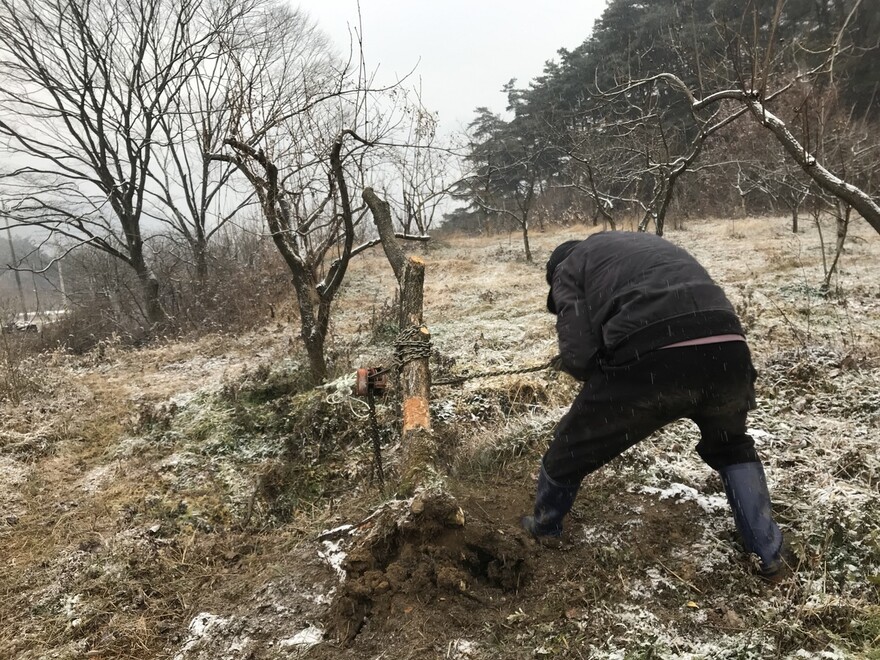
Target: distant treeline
{"x":583,"y":141}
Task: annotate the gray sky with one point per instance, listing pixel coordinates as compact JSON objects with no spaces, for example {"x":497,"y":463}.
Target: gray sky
{"x":462,"y":51}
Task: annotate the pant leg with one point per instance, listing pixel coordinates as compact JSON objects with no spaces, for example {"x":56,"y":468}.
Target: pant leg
{"x":724,"y":441}
{"x":729,"y":394}
{"x":616,"y":408}
{"x":620,"y":405}
{"x":590,"y":435}
{"x":728,"y":448}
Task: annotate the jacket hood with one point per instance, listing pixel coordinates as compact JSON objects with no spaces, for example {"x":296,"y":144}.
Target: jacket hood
{"x":557,"y":257}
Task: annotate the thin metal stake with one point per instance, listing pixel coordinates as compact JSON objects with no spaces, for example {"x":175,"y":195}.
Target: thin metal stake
{"x":374,"y":428}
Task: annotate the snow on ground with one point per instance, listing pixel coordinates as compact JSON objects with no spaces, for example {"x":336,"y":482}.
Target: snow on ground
{"x":91,"y":520}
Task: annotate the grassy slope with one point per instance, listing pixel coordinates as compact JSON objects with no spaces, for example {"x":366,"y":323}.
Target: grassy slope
{"x":165,"y":502}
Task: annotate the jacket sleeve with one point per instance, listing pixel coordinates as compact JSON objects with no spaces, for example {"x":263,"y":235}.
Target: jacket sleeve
{"x":579,"y":343}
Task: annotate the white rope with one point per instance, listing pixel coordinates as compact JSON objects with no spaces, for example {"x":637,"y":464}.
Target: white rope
{"x":339,"y":391}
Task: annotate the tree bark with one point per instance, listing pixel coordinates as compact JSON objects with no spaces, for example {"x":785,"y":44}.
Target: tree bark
{"x":156,"y":316}
{"x":312,"y":329}
{"x":200,"y":256}
{"x":419,"y":445}
{"x":525,"y":235}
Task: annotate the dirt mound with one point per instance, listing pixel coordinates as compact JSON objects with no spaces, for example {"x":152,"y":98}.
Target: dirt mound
{"x":424,"y":563}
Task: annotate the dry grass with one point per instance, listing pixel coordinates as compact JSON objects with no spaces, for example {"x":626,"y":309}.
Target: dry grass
{"x":139,"y":483}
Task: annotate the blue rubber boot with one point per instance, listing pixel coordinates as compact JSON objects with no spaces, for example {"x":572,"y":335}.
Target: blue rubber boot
{"x":552,"y":502}
{"x":749,"y":499}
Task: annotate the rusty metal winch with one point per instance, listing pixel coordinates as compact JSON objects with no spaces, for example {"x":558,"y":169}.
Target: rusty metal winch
{"x":370,"y":380}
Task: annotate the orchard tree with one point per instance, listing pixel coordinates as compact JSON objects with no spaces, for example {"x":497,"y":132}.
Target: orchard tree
{"x":303,"y":142}
{"x":85,"y":87}
{"x":634,"y":139}
{"x":421,"y":168}
{"x":192,"y":195}
{"x":272,"y":56}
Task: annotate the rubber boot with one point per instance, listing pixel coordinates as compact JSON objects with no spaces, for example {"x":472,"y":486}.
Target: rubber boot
{"x":749,"y":499}
{"x":552,"y":502}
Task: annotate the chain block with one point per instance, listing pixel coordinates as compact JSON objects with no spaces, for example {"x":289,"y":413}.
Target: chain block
{"x":370,"y":379}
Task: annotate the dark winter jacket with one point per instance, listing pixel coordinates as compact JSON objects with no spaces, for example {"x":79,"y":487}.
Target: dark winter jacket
{"x":618,"y":295}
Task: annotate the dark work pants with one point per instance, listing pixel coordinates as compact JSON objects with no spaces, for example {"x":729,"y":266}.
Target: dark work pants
{"x":712,"y":384}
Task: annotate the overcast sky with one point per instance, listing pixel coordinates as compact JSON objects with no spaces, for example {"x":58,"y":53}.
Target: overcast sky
{"x":462,"y":51}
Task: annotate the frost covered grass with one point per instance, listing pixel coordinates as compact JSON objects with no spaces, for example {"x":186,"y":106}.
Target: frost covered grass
{"x":169,"y":501}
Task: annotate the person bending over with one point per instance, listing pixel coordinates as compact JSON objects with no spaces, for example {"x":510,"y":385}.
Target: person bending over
{"x":653,"y":339}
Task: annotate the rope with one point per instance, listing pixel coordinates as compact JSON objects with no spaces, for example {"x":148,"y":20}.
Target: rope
{"x":339,"y":392}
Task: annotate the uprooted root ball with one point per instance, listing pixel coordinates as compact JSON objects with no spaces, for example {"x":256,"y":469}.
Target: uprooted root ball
{"x":427,"y":556}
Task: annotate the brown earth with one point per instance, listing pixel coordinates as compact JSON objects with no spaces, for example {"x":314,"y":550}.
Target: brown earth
{"x":179,"y":501}
{"x":430,"y":579}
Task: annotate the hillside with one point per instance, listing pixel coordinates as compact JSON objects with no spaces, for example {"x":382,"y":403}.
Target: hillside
{"x":193,"y":501}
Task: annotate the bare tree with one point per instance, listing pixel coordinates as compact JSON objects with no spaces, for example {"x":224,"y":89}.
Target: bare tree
{"x":305,"y":232}
{"x":85,"y":88}
{"x":867,"y":206}
{"x":583,"y":176}
{"x":421,"y":169}
{"x":813,"y":153}
{"x":762,"y":80}
{"x":307,"y":128}
{"x":649,"y":151}
{"x":751,"y":102}
{"x":778,"y":180}
{"x":300,"y":151}
{"x":270,"y":58}
{"x":192,"y":193}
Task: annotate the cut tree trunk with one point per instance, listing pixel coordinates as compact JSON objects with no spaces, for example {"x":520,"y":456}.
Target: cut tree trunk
{"x":419,"y":445}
